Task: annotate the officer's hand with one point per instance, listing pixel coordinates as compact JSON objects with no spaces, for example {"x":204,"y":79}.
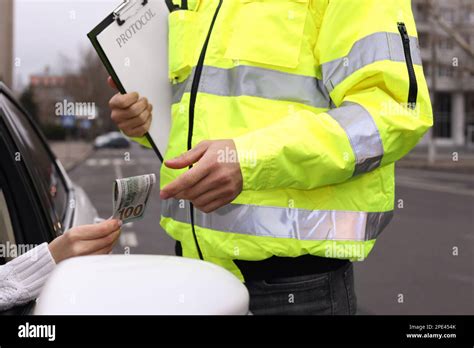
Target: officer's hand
{"x":130,"y":113}
{"x":214,"y":180}
{"x":86,"y":240}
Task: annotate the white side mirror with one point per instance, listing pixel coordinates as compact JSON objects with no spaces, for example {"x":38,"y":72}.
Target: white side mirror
{"x":141,"y":284}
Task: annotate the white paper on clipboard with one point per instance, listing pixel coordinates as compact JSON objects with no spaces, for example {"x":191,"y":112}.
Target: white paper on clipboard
{"x":135,"y":42}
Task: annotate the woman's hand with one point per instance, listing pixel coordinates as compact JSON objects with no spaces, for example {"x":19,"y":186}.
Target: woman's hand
{"x":86,"y":240}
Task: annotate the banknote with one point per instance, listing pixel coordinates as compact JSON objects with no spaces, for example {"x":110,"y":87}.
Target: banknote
{"x":130,"y":197}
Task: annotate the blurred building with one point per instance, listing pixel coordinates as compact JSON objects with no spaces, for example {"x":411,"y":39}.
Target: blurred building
{"x":6,"y":41}
{"x":454,"y":91}
{"x":52,"y":95}
{"x":47,"y":91}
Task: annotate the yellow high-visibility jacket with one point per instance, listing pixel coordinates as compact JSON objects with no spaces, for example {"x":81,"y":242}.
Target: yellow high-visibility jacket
{"x":321,"y":98}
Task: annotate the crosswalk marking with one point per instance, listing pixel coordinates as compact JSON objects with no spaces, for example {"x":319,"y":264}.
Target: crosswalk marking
{"x":118,"y":169}
{"x":105,"y":161}
{"x":430,"y":186}
{"x":91,"y":162}
{"x":102,"y":162}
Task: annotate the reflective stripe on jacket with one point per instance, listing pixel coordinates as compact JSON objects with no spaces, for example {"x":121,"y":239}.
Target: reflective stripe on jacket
{"x":321,"y":98}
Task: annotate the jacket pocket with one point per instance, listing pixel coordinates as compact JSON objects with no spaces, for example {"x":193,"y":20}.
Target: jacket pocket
{"x":182,"y":37}
{"x":413,"y":89}
{"x":269,"y":32}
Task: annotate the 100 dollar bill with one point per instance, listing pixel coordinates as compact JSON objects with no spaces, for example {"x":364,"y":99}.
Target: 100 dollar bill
{"x":131,"y":196}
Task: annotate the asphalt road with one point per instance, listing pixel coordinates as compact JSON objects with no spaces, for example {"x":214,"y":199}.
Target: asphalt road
{"x":423,"y":263}
{"x":97,"y":174}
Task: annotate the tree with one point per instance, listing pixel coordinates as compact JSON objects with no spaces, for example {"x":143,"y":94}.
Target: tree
{"x":453,"y":33}
{"x":89,"y":84}
{"x":27,"y":99}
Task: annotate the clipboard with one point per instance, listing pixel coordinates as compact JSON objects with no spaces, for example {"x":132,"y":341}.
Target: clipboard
{"x":132,"y":43}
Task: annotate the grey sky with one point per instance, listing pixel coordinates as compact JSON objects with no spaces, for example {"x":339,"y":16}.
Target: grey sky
{"x":46,"y":29}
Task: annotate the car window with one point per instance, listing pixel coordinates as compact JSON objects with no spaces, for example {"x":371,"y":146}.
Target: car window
{"x":40,"y":163}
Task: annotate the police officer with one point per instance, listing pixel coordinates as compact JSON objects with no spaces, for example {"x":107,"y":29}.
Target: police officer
{"x":288,"y":118}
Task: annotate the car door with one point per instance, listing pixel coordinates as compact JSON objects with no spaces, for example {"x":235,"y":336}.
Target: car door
{"x":34,"y":191}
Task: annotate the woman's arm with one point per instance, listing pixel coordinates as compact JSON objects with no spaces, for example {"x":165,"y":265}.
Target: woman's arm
{"x":21,"y":279}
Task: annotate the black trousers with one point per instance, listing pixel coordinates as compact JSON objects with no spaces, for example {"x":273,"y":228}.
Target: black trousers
{"x":330,"y":293}
{"x":305,"y":285}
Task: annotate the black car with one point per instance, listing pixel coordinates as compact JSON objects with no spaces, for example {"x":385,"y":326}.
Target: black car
{"x":38,"y":201}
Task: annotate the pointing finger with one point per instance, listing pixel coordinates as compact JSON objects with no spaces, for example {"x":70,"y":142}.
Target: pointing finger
{"x":188,"y":158}
{"x":185,"y":181}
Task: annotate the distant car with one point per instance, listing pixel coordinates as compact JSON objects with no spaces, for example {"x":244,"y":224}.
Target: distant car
{"x":115,"y":140}
{"x":38,"y":201}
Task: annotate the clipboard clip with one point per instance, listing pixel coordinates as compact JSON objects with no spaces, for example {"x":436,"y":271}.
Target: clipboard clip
{"x":174,"y":7}
{"x":125,"y":7}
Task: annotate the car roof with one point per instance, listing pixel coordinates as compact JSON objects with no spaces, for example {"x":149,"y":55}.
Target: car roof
{"x":4,"y":90}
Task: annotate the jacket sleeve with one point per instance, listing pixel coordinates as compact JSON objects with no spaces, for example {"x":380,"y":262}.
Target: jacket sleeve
{"x":372,"y":71}
{"x":141,"y":140}
{"x":22,"y":279}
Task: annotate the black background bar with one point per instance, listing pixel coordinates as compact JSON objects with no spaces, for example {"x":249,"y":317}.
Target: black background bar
{"x":136,"y":330}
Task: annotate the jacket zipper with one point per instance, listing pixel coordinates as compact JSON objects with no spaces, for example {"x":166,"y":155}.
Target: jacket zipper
{"x":413,"y":90}
{"x":192,"y":104}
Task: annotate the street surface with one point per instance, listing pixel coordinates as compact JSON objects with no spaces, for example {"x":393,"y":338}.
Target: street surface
{"x":97,"y":174}
{"x":423,"y":263}
{"x":416,"y":255}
